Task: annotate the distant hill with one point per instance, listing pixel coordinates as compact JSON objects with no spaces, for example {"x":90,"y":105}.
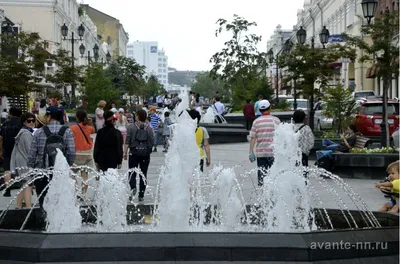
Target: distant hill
{"x":182,"y":77}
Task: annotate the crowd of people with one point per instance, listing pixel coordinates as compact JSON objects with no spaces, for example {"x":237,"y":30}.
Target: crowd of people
{"x":30,"y":140}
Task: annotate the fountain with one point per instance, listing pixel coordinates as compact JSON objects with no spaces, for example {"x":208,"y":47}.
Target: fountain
{"x":200,"y":217}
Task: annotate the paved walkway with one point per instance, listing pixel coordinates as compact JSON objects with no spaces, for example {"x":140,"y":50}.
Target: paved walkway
{"x":236,"y":155}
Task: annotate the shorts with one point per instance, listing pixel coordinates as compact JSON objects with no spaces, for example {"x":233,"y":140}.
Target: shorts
{"x":84,"y":158}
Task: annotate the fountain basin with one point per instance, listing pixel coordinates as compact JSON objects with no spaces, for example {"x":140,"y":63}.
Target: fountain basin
{"x":38,"y":247}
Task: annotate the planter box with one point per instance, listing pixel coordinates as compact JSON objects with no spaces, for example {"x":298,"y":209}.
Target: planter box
{"x":363,"y":165}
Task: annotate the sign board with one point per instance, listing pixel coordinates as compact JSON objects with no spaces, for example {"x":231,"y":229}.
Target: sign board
{"x":335,"y":38}
{"x":153,"y":49}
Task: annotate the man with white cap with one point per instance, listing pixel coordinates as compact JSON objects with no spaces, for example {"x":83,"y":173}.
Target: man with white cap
{"x":262,"y":135}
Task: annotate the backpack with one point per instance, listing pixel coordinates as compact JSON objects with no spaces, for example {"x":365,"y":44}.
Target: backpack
{"x":141,"y":148}
{"x":53,"y":142}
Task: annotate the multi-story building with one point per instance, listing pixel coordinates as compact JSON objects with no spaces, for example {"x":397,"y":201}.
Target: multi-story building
{"x":110,"y":30}
{"x":146,"y":53}
{"x":162,"y":72}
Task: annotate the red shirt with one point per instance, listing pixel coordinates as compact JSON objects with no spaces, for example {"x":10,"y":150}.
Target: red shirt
{"x":248,"y":112}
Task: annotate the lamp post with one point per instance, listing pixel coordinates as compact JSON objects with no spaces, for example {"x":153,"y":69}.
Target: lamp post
{"x":64,"y":33}
{"x":369,"y":9}
{"x":271,"y":58}
{"x":301,"y":36}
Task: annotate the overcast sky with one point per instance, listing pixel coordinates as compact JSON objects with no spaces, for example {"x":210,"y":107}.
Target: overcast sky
{"x":186,"y":28}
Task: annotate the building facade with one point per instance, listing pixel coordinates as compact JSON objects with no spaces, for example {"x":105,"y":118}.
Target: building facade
{"x":109,"y":30}
{"x":147,"y":53}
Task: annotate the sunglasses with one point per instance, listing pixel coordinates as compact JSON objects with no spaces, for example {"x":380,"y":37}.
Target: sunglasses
{"x":30,"y":120}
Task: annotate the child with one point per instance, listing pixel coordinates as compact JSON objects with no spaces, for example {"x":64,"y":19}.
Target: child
{"x":392,"y":186}
{"x":166,"y":131}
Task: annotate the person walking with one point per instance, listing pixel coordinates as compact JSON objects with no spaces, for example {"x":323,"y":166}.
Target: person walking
{"x":19,"y":158}
{"x":256,"y":106}
{"x":108,"y":147}
{"x":248,"y":113}
{"x":84,"y":146}
{"x":9,"y":131}
{"x":166,"y":130}
{"x":53,"y":134}
{"x":155,"y":121}
{"x":100,"y":115}
{"x":139,"y":142}
{"x":122,"y":123}
{"x":202,"y":142}
{"x":306,"y":136}
{"x":262,"y":137}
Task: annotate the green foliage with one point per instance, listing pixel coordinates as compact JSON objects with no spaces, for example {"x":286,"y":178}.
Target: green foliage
{"x":283,"y":105}
{"x":183,"y":78}
{"x":19,"y":73}
{"x":340,"y":105}
{"x":240,"y":66}
{"x":152,"y":87}
{"x":126,"y":75}
{"x":98,"y":86}
{"x":308,"y":65}
{"x":384,"y":49}
{"x":206,"y":86}
{"x":373,"y":151}
{"x":65,"y":75}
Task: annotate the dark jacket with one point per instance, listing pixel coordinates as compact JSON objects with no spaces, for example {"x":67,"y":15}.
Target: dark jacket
{"x":9,"y":131}
{"x":248,"y":112}
{"x":108,"y":151}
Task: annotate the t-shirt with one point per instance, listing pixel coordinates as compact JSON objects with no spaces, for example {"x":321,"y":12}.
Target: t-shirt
{"x":263,"y":130}
{"x":154,"y":122}
{"x":258,"y":113}
{"x":351,"y":140}
{"x":201,"y":135}
{"x":81,"y":143}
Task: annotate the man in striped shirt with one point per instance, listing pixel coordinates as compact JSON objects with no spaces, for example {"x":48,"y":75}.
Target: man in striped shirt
{"x":262,"y":136}
{"x":154,"y":123}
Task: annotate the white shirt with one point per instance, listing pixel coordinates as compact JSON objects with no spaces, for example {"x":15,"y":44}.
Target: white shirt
{"x":4,"y":114}
{"x":219,"y":107}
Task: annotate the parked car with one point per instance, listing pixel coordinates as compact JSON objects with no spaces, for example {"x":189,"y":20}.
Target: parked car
{"x":395,"y":139}
{"x":363,"y":94}
{"x":369,"y":117}
{"x":321,"y":122}
{"x":301,"y":104}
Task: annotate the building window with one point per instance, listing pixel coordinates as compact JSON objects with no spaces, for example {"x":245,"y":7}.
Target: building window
{"x":159,"y":59}
{"x":164,"y":76}
{"x":159,"y":70}
{"x":159,"y":65}
{"x":164,"y":65}
{"x":159,"y":76}
{"x":164,"y":70}
{"x":164,"y":60}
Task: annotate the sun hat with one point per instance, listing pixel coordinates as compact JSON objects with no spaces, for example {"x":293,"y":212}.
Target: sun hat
{"x":121,"y":110}
{"x":41,"y":119}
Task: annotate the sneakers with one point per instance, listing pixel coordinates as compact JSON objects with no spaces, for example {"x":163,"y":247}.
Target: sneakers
{"x":132,"y":196}
{"x":7,"y":193}
{"x":165,"y":151}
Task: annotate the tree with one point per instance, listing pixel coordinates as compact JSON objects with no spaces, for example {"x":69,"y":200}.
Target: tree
{"x":384,"y":52}
{"x":307,"y":65}
{"x":340,"y":106}
{"x":126,"y":75}
{"x":22,"y":57}
{"x":98,"y":86}
{"x":65,"y":75}
{"x":206,"y":86}
{"x":152,"y":87}
{"x":239,"y":65}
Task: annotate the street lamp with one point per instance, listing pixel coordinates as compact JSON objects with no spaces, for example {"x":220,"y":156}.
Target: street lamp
{"x":96,"y":52}
{"x":324,"y":36}
{"x":301,"y":35}
{"x":108,"y":57}
{"x":301,"y":39}
{"x":82,"y":49}
{"x":64,"y":33}
{"x":369,"y":8}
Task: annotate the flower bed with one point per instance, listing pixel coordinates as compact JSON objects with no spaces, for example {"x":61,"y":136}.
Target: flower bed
{"x":374,"y":151}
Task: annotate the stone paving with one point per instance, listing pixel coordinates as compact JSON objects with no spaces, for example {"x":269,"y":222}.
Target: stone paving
{"x":236,"y":155}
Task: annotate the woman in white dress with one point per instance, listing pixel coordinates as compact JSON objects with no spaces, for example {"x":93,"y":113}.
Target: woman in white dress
{"x":122,"y":123}
{"x":100,"y":115}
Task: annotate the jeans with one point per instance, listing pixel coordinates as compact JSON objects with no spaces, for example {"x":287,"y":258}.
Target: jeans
{"x":155,"y":139}
{"x":329,"y":144}
{"x":263,"y":165}
{"x":41,"y":188}
{"x":143,"y":164}
{"x":166,"y":143}
{"x":201,"y":165}
{"x":249,"y":124}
